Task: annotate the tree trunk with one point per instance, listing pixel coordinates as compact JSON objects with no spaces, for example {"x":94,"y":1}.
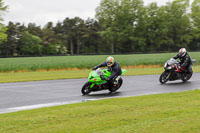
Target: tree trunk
{"x":71,"y":47}
{"x":112,"y":47}
{"x":78,"y":46}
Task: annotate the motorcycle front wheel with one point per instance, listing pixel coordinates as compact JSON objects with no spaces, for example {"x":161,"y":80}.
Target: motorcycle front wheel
{"x":164,"y":77}
{"x":86,"y":88}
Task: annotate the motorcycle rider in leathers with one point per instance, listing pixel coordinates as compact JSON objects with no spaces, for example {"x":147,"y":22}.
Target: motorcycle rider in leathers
{"x":113,"y":66}
{"x":185,"y":60}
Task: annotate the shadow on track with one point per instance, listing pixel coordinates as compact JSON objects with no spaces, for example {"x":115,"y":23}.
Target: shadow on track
{"x":108,"y":94}
{"x":178,"y":83}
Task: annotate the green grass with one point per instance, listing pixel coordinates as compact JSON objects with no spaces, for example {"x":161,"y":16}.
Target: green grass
{"x":163,"y":113}
{"x":81,"y":62}
{"x":53,"y":75}
{"x":32,"y":67}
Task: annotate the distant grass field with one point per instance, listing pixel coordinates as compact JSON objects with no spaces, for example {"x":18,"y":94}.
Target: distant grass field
{"x":162,"y":113}
{"x":83,"y":62}
{"x":52,"y":75}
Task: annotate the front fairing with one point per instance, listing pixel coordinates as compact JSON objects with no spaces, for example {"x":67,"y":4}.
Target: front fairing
{"x":171,"y":64}
{"x":94,"y":76}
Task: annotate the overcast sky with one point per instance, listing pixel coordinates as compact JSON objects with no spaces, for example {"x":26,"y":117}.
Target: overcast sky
{"x":43,"y":11}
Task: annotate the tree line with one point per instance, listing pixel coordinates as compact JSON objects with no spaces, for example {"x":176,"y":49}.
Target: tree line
{"x":120,"y":26}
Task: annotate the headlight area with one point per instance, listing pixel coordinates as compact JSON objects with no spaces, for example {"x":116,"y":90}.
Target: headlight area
{"x":165,"y":65}
{"x":169,"y":68}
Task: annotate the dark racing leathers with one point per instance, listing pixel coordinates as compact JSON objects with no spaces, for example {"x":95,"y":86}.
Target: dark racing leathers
{"x":185,"y":62}
{"x":115,"y":68}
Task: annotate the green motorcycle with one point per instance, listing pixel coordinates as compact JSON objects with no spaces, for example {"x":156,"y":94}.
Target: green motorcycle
{"x":96,"y":81}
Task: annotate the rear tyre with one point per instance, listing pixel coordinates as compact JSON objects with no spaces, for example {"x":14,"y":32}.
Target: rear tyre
{"x":114,"y":88}
{"x":86,"y":88}
{"x":186,"y":77}
{"x":189,"y":75}
{"x":163,"y":77}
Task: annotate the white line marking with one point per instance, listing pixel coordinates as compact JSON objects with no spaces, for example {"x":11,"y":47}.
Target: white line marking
{"x":15,"y":109}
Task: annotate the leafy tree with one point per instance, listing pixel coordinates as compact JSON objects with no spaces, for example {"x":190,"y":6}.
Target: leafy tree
{"x":90,"y":40}
{"x":3,"y":29}
{"x":50,"y":49}
{"x":153,"y":26}
{"x":14,"y":33}
{"x":3,"y":36}
{"x":51,"y":45}
{"x":48,"y":39}
{"x":60,"y":37}
{"x":119,"y":20}
{"x":106,"y":13}
{"x":70,"y":29}
{"x":81,"y":35}
{"x":121,"y":26}
{"x":195,"y":15}
{"x":33,"y":29}
{"x":30,"y":44}
{"x":178,"y":24}
{"x":137,"y":35}
{"x":48,"y":35}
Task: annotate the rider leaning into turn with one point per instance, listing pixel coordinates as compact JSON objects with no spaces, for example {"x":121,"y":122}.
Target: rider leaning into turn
{"x":113,"y":66}
{"x":185,"y":60}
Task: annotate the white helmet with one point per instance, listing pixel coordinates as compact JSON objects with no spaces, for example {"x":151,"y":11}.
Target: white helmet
{"x":182,"y":52}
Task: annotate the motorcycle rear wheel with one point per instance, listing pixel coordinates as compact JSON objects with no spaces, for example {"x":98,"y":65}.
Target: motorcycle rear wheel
{"x":86,"y":88}
{"x":186,"y":77}
{"x":119,"y":84}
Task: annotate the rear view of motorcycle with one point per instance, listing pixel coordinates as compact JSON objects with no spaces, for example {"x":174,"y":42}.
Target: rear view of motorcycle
{"x":96,"y":81}
{"x":172,"y":72}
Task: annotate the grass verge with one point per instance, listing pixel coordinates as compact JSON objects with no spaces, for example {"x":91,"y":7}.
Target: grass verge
{"x":53,"y":75}
{"x":82,"y":62}
{"x":172,"y":112}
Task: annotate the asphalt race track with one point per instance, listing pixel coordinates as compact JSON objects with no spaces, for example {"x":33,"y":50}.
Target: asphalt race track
{"x":29,"y":95}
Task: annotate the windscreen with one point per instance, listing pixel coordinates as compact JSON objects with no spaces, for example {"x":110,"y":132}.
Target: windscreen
{"x":99,"y":72}
{"x":172,"y":61}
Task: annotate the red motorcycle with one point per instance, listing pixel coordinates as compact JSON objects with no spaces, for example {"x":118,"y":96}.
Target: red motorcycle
{"x":172,"y":72}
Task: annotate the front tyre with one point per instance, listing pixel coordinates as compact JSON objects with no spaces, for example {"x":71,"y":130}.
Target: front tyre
{"x":164,"y":77}
{"x":86,"y":88}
